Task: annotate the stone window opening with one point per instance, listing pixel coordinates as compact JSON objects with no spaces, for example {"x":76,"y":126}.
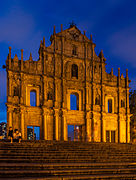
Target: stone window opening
{"x":122,"y":103}
{"x":74,"y":71}
{"x":109,"y":105}
{"x":33,"y":98}
{"x":74,"y":101}
{"x":74,"y":50}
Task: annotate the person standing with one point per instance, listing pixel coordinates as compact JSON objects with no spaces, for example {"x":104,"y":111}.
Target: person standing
{"x":10,"y":134}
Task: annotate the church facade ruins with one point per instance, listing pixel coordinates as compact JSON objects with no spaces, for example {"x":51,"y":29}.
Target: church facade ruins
{"x":68,"y":86}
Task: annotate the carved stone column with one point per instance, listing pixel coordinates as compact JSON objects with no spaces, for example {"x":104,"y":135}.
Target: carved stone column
{"x":65,"y":128}
{"x":56,"y":125}
{"x":88,"y":126}
{"x":127,"y":104}
{"x":50,"y":125}
{"x":45,"y":127}
{"x":10,"y":118}
{"x":22,"y":124}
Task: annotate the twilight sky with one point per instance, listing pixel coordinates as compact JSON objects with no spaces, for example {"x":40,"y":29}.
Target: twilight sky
{"x":23,"y":23}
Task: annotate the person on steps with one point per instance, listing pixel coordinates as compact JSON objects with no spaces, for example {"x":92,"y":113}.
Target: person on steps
{"x":17,"y":136}
{"x":10,"y":134}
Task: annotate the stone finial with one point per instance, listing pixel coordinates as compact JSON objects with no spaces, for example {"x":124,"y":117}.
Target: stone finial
{"x":22,"y":54}
{"x":84,"y":33}
{"x":122,"y":76}
{"x":112,"y":71}
{"x":30,"y":57}
{"x":127,"y":73}
{"x":44,"y":41}
{"x":118,"y":72}
{"x":91,"y":38}
{"x":54,"y":30}
{"x":10,"y":52}
{"x":15,"y":58}
{"x":61,"y":27}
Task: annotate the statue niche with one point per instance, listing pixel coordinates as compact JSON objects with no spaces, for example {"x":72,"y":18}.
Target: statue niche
{"x":97,"y":99}
{"x":16,"y":91}
{"x":74,"y":71}
{"x":49,"y":96}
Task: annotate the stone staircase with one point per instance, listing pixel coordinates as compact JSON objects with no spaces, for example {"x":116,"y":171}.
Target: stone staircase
{"x":67,"y":160}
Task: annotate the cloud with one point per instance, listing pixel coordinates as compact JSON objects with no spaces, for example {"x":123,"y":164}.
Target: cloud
{"x":122,"y":44}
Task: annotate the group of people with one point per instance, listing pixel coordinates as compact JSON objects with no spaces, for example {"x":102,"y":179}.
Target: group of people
{"x":16,"y":136}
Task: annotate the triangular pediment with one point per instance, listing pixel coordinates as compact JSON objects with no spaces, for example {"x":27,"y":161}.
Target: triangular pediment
{"x":73,"y":33}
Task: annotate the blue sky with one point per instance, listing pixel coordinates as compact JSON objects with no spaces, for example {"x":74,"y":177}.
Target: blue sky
{"x":23,"y":23}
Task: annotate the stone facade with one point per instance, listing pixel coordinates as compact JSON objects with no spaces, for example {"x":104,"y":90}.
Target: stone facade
{"x":68,"y":66}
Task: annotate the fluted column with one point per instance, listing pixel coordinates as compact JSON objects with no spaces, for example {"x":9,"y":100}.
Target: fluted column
{"x":10,"y":116}
{"x":45,"y":127}
{"x":56,"y":125}
{"x":22,"y":124}
{"x":65,"y":128}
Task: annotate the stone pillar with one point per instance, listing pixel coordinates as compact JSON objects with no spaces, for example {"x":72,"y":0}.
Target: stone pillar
{"x":22,"y":124}
{"x":92,"y":103}
{"x":118,"y":105}
{"x":9,"y":57}
{"x":56,"y":126}
{"x":9,"y":88}
{"x":10,"y":118}
{"x":88,"y":124}
{"x":127,"y":105}
{"x":102,"y":97}
{"x":50,"y":124}
{"x":21,"y":59}
{"x":45,"y":126}
{"x":65,"y":128}
{"x":85,"y":93}
{"x":102,"y":110}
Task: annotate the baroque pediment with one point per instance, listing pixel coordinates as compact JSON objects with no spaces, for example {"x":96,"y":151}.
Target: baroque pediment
{"x":73,"y":33}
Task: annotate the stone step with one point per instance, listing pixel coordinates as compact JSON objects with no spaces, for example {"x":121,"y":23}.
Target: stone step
{"x":51,"y":166}
{"x":56,"y":172}
{"x":67,"y":160}
{"x":60,"y":161}
{"x":64,"y":153}
{"x":64,"y":157}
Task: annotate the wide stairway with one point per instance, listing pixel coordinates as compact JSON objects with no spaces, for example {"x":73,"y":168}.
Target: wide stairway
{"x":67,"y":160}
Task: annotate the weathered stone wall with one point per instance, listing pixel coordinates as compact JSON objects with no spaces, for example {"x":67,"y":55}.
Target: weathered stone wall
{"x":52,"y":80}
